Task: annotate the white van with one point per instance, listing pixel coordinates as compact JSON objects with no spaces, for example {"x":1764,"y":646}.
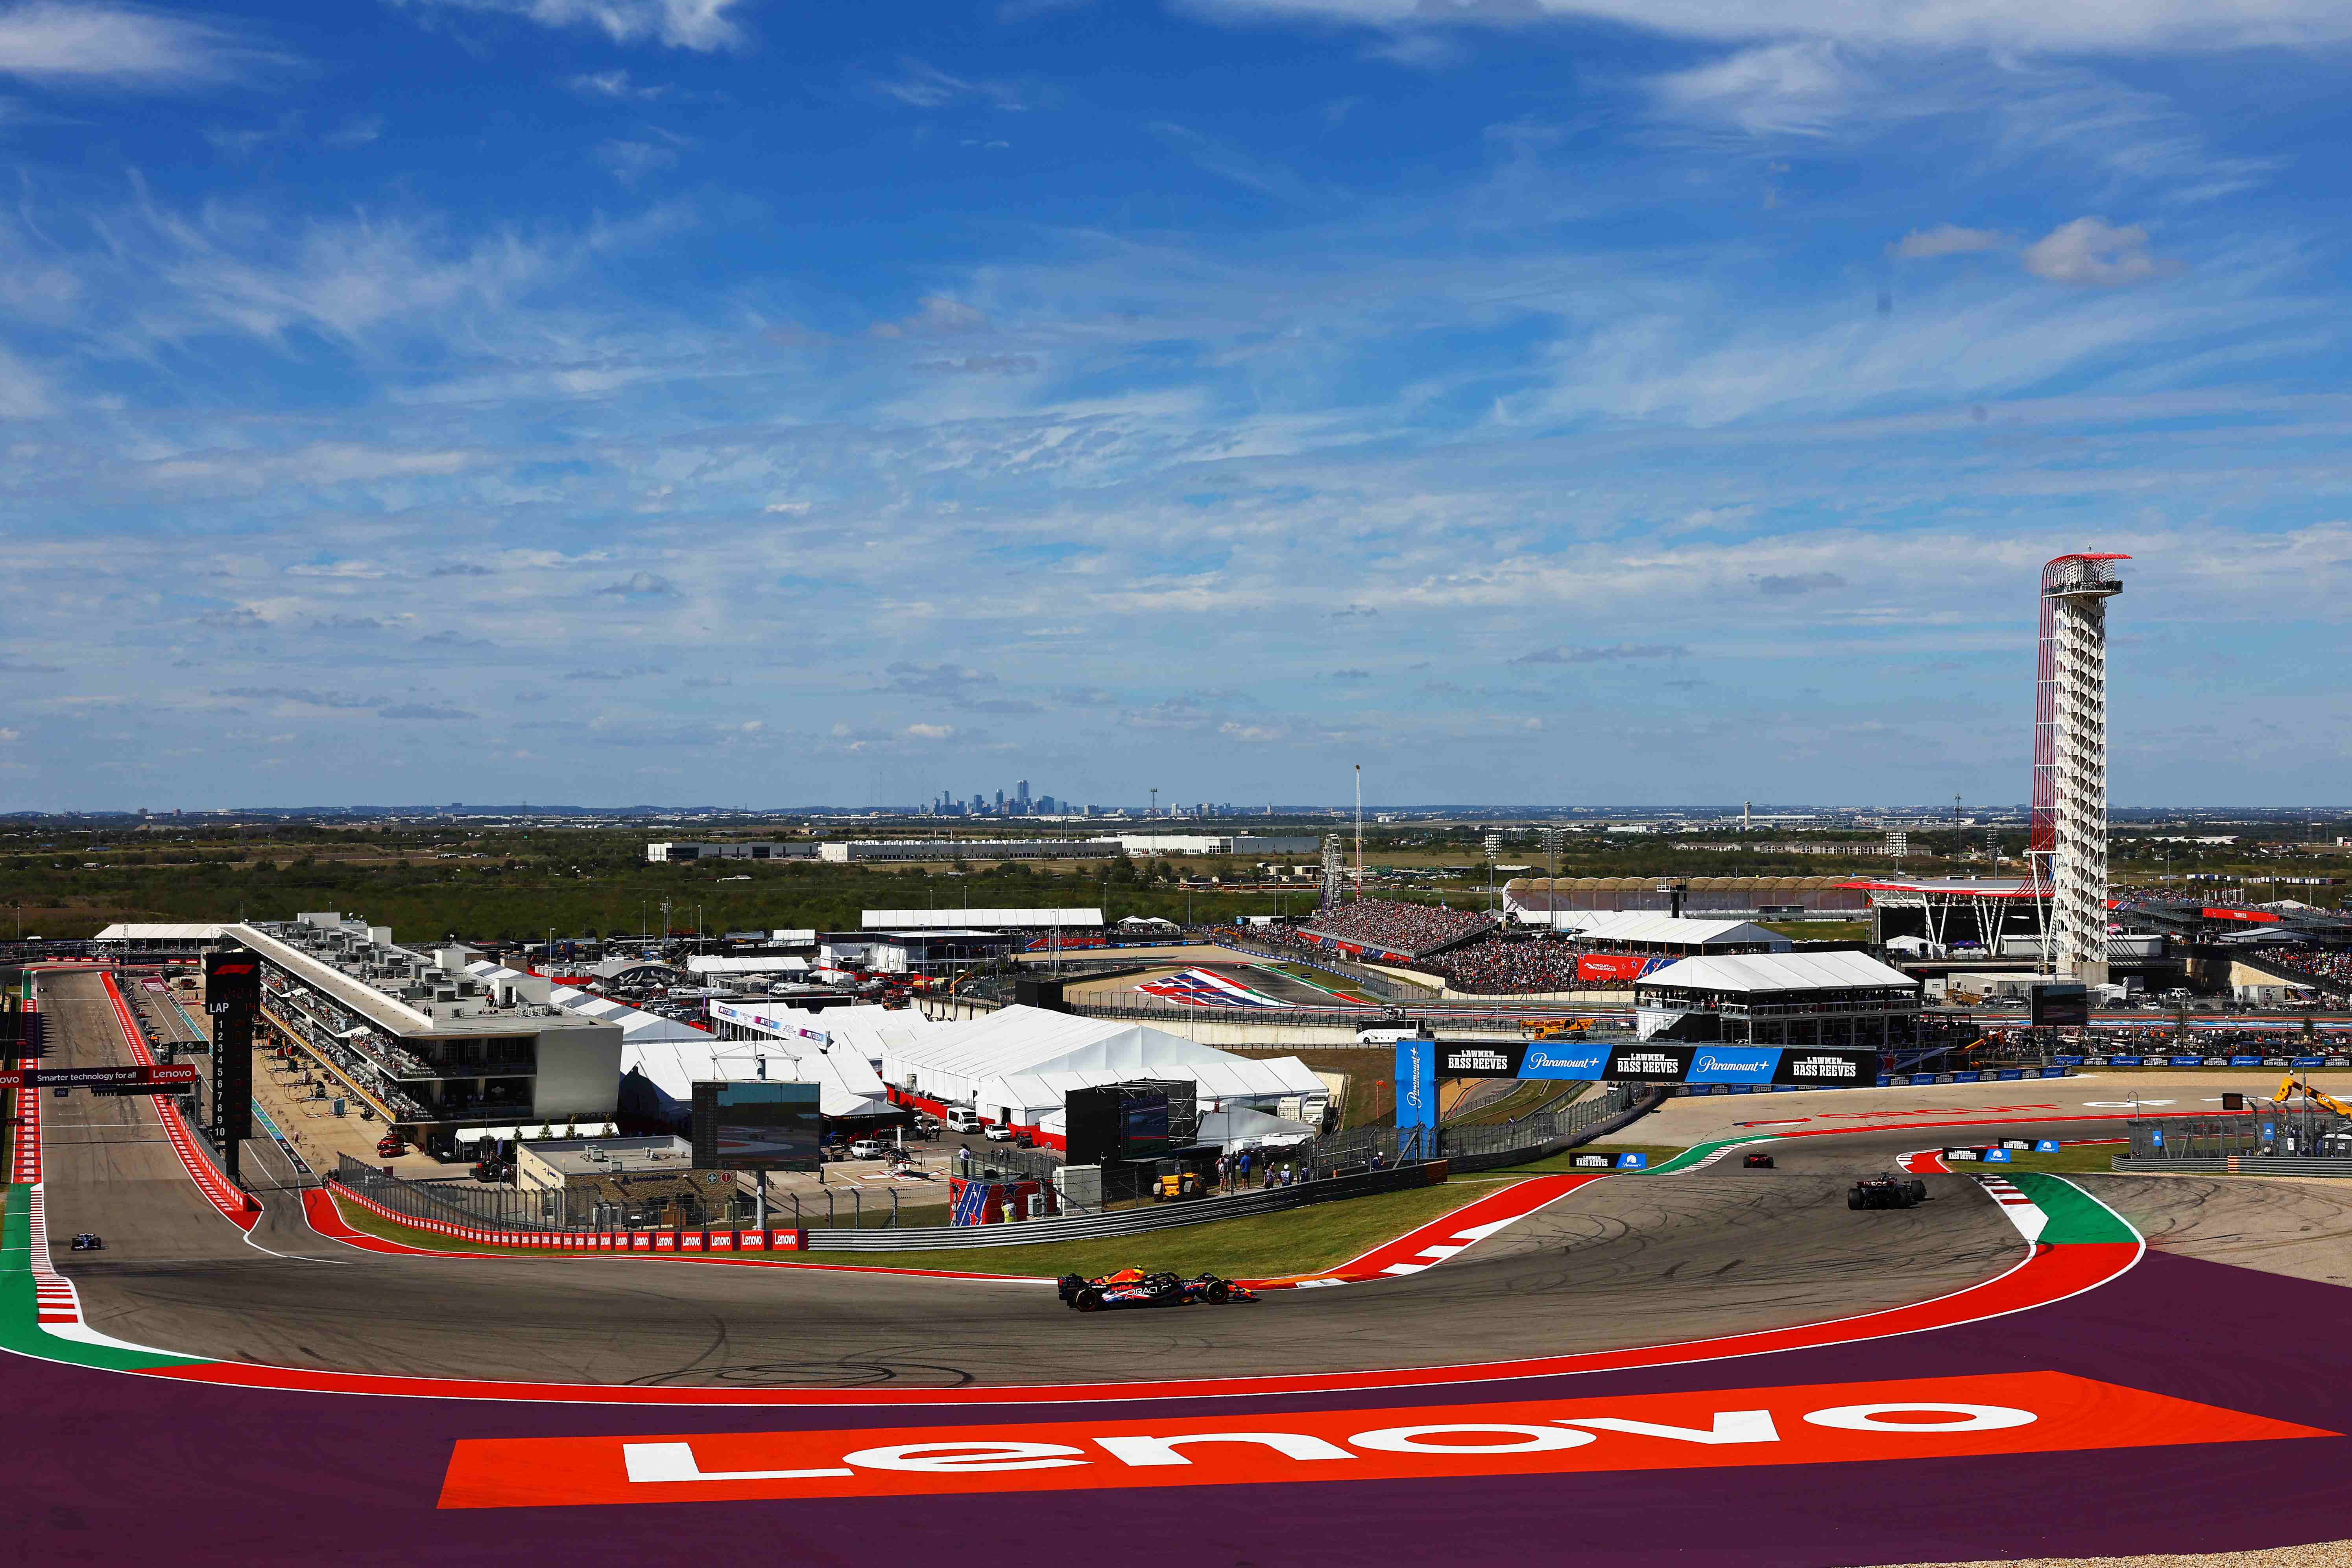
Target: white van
{"x":962,"y":1119}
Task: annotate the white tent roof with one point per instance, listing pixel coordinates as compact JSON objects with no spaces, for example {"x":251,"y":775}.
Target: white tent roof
{"x":953,"y":1060}
{"x":138,"y":933}
{"x":1776,"y":971}
{"x":1243,"y":1077}
{"x":870,"y":1031}
{"x":636,"y":1024}
{"x":1640,"y":925}
{"x":763,"y":963}
{"x":845,"y":1081}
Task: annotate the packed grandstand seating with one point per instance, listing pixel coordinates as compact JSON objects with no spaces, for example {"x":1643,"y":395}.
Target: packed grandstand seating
{"x":1399,"y":927}
{"x":1503,"y":966}
{"x":2335,"y":966}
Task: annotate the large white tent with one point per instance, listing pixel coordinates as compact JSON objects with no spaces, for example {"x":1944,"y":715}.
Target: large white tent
{"x":847,"y":1084}
{"x":1642,"y":928}
{"x":1766,"y":972}
{"x":1030,"y":1059}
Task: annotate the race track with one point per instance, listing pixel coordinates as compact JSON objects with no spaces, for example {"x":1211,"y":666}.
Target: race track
{"x":1615,"y":1265}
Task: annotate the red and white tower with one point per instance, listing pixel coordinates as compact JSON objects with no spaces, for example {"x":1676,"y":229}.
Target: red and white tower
{"x":2069,"y":848}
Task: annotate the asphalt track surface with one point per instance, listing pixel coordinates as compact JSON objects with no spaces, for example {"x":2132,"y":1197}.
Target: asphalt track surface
{"x":229,"y":1474}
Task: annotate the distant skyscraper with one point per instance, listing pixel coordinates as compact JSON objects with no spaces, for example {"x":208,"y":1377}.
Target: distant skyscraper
{"x":1021,"y":793}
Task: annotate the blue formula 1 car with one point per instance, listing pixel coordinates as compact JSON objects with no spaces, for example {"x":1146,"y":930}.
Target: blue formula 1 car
{"x":1134,"y":1287}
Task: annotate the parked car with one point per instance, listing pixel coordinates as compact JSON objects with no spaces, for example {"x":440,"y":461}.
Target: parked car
{"x":999,"y":1134}
{"x":961,"y":1119}
{"x":867,"y":1149}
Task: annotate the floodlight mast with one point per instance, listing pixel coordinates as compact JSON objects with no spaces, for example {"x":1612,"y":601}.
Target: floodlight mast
{"x":2067,"y":853}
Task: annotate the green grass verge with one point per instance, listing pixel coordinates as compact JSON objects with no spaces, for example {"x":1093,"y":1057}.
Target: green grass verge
{"x":1294,"y":1241}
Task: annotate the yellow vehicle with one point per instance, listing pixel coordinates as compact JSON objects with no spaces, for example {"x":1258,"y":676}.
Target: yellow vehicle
{"x":1558,"y":1029}
{"x":2291,"y":1086}
{"x":1169,"y":1188}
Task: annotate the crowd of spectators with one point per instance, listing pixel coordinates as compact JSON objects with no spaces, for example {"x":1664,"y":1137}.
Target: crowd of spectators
{"x":2335,"y":966}
{"x":1399,"y":927}
{"x":1506,"y":966}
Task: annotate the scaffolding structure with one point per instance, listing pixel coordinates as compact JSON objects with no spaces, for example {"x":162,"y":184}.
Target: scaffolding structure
{"x":2068,"y":851}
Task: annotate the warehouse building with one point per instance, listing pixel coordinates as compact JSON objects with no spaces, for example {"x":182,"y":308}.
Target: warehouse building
{"x":681,"y":853}
{"x":855,"y":850}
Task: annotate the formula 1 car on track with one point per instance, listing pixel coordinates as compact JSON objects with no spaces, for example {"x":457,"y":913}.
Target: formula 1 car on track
{"x":1134,"y":1287}
{"x":1758,"y":1162}
{"x":87,"y":1241}
{"x":1887,"y":1193}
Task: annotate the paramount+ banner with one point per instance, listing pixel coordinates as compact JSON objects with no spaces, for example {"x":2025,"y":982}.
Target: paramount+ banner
{"x":1805,"y":1067}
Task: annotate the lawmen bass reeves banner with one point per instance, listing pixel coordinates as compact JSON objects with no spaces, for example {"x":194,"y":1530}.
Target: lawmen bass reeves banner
{"x":1806,"y":1066}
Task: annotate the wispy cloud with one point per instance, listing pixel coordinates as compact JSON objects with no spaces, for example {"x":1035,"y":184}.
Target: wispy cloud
{"x":1986,"y":24}
{"x":123,"y":47}
{"x":1609,"y":655}
{"x":698,"y":25}
{"x":919,"y":84}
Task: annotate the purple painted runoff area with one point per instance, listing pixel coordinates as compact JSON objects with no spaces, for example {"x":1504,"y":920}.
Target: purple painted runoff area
{"x":107,"y":1468}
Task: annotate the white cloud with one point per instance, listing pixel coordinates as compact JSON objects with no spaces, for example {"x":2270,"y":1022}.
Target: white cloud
{"x":701,"y":24}
{"x":633,"y":161}
{"x":116,"y":46}
{"x":2121,"y":25}
{"x":930,"y":731}
{"x":2093,"y":253}
{"x":1796,"y":89}
{"x":614,"y":84}
{"x":919,"y":85}
{"x":1946,"y":240}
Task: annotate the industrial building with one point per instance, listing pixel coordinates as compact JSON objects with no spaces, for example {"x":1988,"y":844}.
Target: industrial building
{"x":852,"y":851}
{"x":676,"y":853}
{"x":1828,"y":999}
{"x":425,"y":1044}
{"x":1216,"y":842}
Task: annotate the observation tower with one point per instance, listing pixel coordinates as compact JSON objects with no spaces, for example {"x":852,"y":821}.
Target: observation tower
{"x":2068,"y":852}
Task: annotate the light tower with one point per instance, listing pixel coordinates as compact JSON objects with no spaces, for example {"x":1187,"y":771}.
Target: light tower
{"x":2068,"y":852}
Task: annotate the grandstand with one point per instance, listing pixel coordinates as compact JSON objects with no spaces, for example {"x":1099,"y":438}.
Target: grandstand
{"x":1532,"y":901}
{"x":1385,"y":930}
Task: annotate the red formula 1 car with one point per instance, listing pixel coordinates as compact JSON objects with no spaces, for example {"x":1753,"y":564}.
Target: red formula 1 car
{"x":1134,"y":1287}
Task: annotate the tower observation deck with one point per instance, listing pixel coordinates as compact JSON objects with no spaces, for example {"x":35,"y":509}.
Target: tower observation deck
{"x":2068,"y":853}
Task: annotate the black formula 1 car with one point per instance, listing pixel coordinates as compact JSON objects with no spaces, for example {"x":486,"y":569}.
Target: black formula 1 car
{"x":87,"y":1241}
{"x":1134,"y":1287}
{"x":1887,"y":1193}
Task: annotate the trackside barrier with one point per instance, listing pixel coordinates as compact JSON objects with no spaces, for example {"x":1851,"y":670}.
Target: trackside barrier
{"x":1020,"y":1232}
{"x":775,"y":1239}
{"x":2234,"y":1165}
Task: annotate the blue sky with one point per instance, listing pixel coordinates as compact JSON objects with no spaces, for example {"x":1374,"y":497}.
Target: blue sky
{"x":739,"y":401}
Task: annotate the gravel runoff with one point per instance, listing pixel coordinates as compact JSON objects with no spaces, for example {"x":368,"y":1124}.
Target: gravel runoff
{"x":2319,"y":1554}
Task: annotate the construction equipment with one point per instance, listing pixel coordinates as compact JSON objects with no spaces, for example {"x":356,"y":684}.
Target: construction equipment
{"x":2291,"y":1086}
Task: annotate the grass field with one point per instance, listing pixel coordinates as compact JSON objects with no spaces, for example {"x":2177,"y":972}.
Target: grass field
{"x":1296,"y":1241}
